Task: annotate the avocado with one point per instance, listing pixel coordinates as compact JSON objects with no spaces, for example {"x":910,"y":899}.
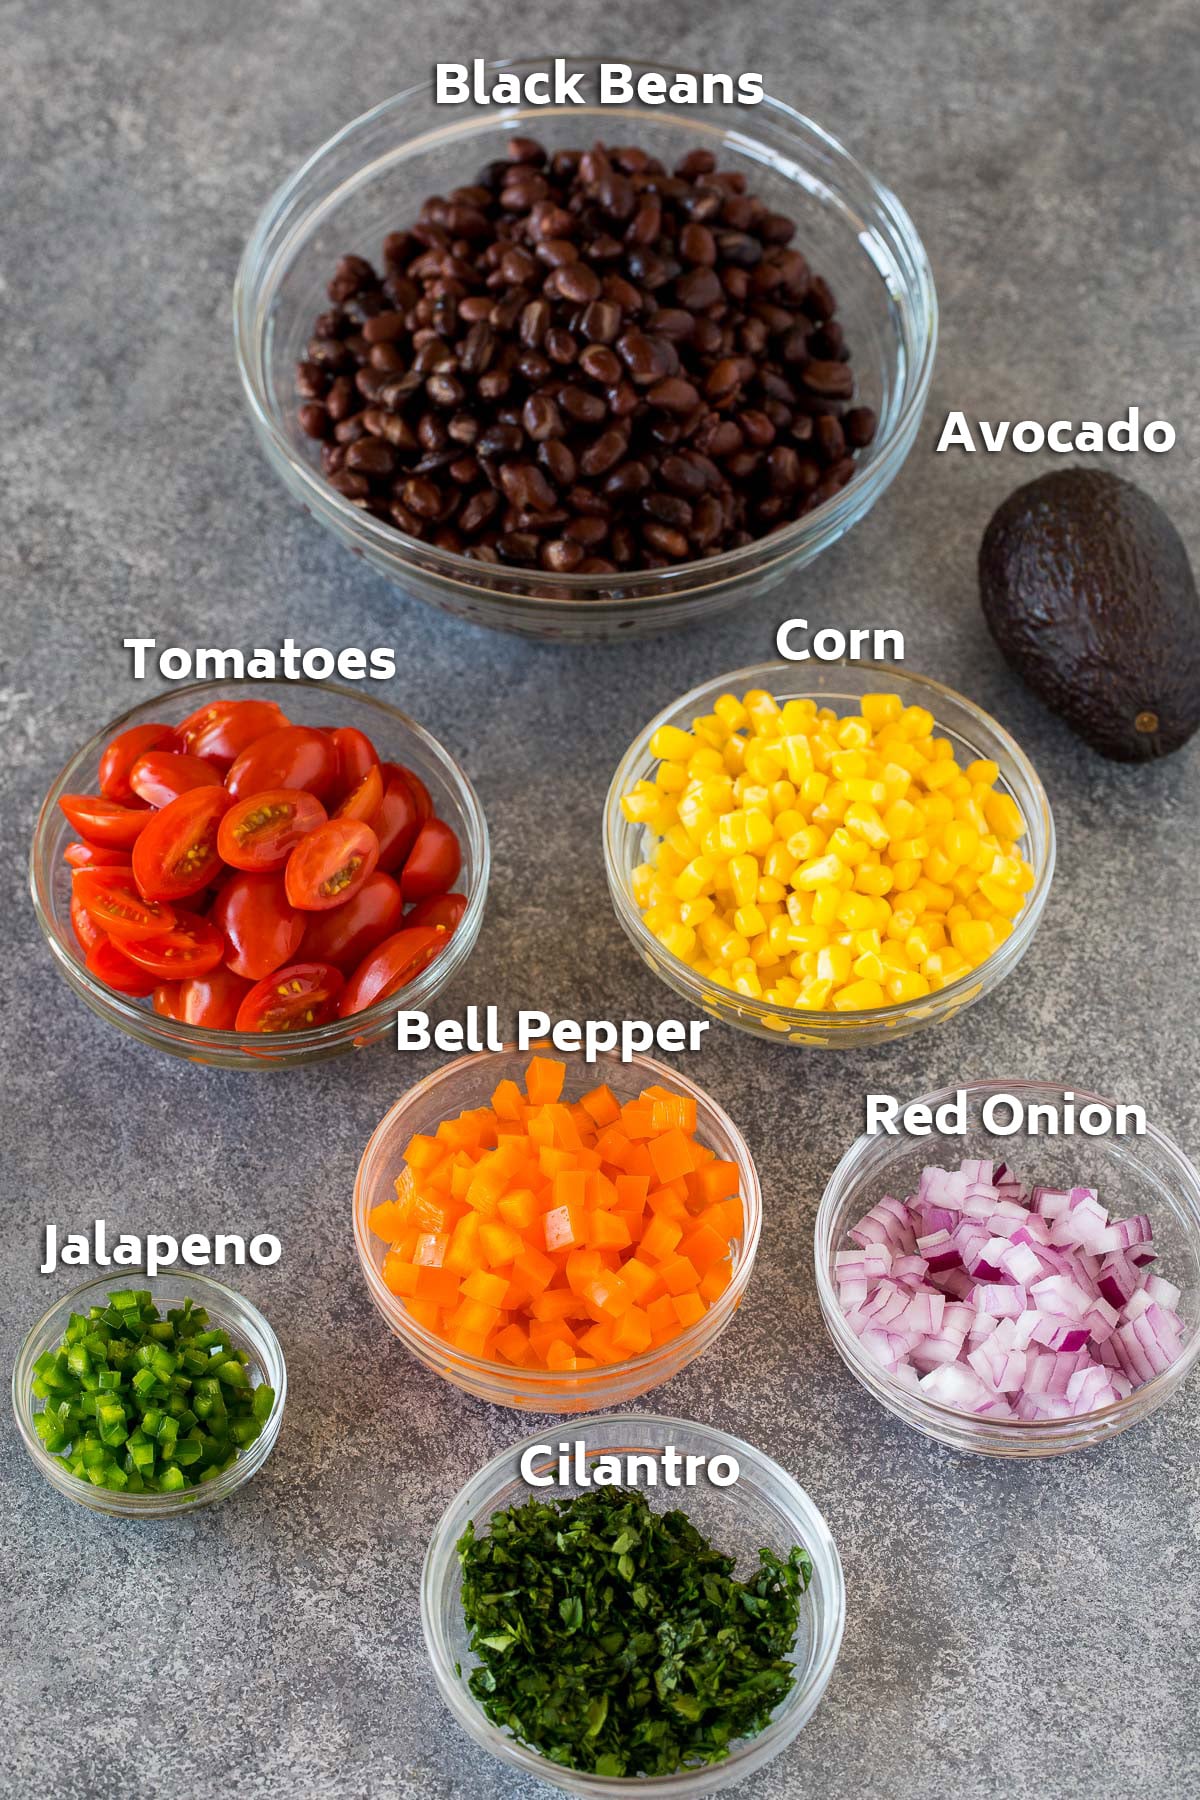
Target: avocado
{"x":1087,"y":589}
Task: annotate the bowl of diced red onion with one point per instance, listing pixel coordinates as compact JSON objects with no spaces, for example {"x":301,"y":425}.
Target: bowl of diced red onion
{"x":1020,"y":1294}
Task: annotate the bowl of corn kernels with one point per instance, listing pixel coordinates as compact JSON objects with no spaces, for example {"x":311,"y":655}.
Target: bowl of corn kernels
{"x":831,"y":858}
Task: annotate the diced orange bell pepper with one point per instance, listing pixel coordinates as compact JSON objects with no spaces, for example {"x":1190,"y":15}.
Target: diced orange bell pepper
{"x":605,"y":1231}
{"x":544,"y":1080}
{"x":386,"y":1220}
{"x":688,"y":1308}
{"x":563,"y":1227}
{"x":704,"y":1248}
{"x":601,"y":1106}
{"x":399,"y":1277}
{"x":660,"y":1238}
{"x":481,"y":1285}
{"x":508,"y":1102}
{"x":632,"y":1333}
{"x":441,"y":1285}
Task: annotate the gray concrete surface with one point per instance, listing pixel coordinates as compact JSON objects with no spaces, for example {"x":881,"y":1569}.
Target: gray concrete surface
{"x":1017,"y":1631}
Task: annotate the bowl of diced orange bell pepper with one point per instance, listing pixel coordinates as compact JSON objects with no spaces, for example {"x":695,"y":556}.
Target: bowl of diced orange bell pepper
{"x":554,"y":1234}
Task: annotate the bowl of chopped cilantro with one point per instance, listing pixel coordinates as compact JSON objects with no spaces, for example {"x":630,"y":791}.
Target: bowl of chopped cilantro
{"x":594,"y":1621}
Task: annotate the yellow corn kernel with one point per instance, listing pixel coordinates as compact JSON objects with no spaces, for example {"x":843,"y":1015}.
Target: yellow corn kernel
{"x":853,"y":732}
{"x":826,"y":899}
{"x":939,"y":867}
{"x":982,"y":773}
{"x":856,"y":912}
{"x":732,"y":835}
{"x":640,"y":883}
{"x":748,"y":921}
{"x":731,"y":712}
{"x":731,"y":946}
{"x":770,"y":891}
{"x":818,"y":872}
{"x":734,"y":755}
{"x":1007,"y":900}
{"x":849,"y":765}
{"x":857,"y":996}
{"x":680,"y":940}
{"x":873,"y":878}
{"x":869,"y":966}
{"x":833,"y":964}
{"x":763,"y":711}
{"x":812,"y":788}
{"x":864,"y":821}
{"x":670,"y":744}
{"x":798,"y":716}
{"x":973,"y":938}
{"x":813,"y":995}
{"x":743,"y":879}
{"x":760,"y":833}
{"x":906,"y":984}
{"x":695,"y":879}
{"x":671,"y":778}
{"x":797,"y":756}
{"x":881,"y":709}
{"x":916,"y":722}
{"x":960,"y":841}
{"x":868,"y":793}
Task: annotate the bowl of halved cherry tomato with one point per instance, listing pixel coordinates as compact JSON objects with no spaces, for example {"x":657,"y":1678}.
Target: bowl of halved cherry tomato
{"x":260,"y":873}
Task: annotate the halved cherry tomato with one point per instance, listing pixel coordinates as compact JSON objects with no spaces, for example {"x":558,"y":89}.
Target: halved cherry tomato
{"x":363,"y":801}
{"x":261,"y":831}
{"x":419,"y":791}
{"x":356,"y":756}
{"x":432,"y":864}
{"x":298,"y":998}
{"x":177,"y":853}
{"x":390,"y":965}
{"x":114,"y":969}
{"x":398,"y":820}
{"x":95,"y":856}
{"x":84,"y":926}
{"x":123,"y":752}
{"x":192,"y":946}
{"x":330,"y":865}
{"x":162,"y":775}
{"x":168,"y":1000}
{"x":295,"y":756}
{"x":443,"y":909}
{"x":344,"y":934}
{"x":261,"y":929}
{"x":112,"y":898}
{"x":224,"y":728}
{"x":211,"y":1000}
{"x":104,"y":821}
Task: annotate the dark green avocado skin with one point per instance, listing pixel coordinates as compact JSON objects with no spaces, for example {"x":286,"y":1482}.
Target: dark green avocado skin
{"x":1087,"y":589}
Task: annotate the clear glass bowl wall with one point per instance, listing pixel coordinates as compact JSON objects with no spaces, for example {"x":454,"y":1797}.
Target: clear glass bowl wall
{"x":248,"y":1331}
{"x":397,"y":739}
{"x":469,"y":1082}
{"x":764,"y":1508}
{"x":372,"y":177}
{"x":1147,"y":1174}
{"x":973,"y":733}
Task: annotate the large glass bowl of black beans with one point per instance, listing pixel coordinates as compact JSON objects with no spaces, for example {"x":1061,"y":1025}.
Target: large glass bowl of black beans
{"x":585,"y":372}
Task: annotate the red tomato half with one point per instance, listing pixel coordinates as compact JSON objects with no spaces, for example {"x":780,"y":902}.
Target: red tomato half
{"x":298,"y":998}
{"x":114,"y":969}
{"x":123,"y":752}
{"x":391,"y":965}
{"x":95,"y":856}
{"x":262,"y":831}
{"x":112,"y":898}
{"x":398,"y":820}
{"x":103,"y":821}
{"x":363,"y":801}
{"x":224,"y":728}
{"x":330,"y":865}
{"x":161,"y":776}
{"x":261,"y":929}
{"x":84,"y":926}
{"x":192,"y":946}
{"x":432,"y":864}
{"x":177,"y":853}
{"x":417,"y":788}
{"x":344,"y":934}
{"x":356,"y":756}
{"x":443,"y":909}
{"x":167,"y":1001}
{"x":212,"y":1000}
{"x":295,"y":756}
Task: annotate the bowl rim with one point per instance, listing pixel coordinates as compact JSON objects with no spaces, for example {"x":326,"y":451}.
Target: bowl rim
{"x":700,"y":990}
{"x":828,"y":520}
{"x":217,"y":1296}
{"x":803,"y":1515}
{"x":259,"y":1050}
{"x":582,"y":1381}
{"x":927,"y":1414}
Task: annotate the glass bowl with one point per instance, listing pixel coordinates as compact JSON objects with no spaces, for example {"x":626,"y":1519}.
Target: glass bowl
{"x":371,"y":178}
{"x":764,"y":1508}
{"x":840,"y":685}
{"x":398,"y":739}
{"x":248,"y":1330}
{"x":468,"y":1082}
{"x":1146,"y":1174}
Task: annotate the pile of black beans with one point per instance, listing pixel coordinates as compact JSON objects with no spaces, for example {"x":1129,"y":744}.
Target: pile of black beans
{"x":584,"y":363}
